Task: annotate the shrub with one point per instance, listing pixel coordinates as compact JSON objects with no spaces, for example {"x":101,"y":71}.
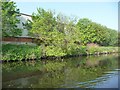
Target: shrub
{"x":102,"y":49}
{"x":54,"y":51}
{"x":20,"y":52}
{"x":78,"y":50}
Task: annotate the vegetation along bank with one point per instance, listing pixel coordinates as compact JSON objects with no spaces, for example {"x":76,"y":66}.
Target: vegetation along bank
{"x":55,"y":35}
{"x":27,"y":52}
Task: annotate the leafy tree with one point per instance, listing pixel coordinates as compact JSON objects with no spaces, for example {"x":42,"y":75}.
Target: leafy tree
{"x":53,"y":32}
{"x":43,"y":29}
{"x":84,"y":25}
{"x":66,"y":25}
{"x":100,"y":34}
{"x":92,"y":32}
{"x":9,"y":19}
{"x":63,"y":35}
{"x":113,"y":37}
{"x":43,"y":23}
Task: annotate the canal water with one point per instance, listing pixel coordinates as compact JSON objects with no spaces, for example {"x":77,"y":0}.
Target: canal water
{"x":76,"y":72}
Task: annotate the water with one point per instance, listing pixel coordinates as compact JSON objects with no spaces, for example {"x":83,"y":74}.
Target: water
{"x":78,"y":72}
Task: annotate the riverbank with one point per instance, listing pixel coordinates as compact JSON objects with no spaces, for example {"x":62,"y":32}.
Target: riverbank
{"x":26,"y":52}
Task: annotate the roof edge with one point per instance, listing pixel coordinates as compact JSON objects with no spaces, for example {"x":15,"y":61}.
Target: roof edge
{"x":26,"y":14}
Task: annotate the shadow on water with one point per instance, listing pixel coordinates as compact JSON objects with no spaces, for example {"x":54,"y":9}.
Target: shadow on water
{"x":77,"y":72}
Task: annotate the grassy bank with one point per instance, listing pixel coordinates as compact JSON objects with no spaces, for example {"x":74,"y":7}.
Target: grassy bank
{"x":102,"y":50}
{"x":26,"y":52}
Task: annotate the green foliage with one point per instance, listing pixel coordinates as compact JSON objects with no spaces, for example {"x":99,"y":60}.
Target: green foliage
{"x":95,"y":50}
{"x":73,"y":49}
{"x":92,"y":32}
{"x":54,"y":39}
{"x":9,"y":19}
{"x":20,"y":52}
{"x":82,"y":50}
{"x":28,"y":25}
{"x":43,"y":23}
{"x":113,"y":37}
{"x":54,"y":51}
{"x":63,"y":35}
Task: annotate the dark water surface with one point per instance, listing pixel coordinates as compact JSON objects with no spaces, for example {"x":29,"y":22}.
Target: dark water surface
{"x":78,"y":72}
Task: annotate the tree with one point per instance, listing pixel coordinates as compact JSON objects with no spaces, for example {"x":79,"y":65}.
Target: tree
{"x":43,"y":23}
{"x":92,"y":32}
{"x":63,"y":35}
{"x":9,"y":19}
{"x":53,"y":33}
{"x":43,"y":28}
{"x":66,"y":25}
{"x":113,"y":37}
{"x":84,"y":25}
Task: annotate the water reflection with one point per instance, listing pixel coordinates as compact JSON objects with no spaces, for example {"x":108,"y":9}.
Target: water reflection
{"x":91,"y":71}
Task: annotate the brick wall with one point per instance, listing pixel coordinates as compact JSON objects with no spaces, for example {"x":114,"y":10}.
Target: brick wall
{"x":18,"y":39}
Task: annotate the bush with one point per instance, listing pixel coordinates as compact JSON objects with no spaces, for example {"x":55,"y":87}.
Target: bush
{"x":93,"y":50}
{"x":78,"y":50}
{"x":20,"y":52}
{"x":54,"y":51}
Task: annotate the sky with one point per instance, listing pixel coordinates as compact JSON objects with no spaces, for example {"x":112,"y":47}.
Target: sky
{"x":105,"y":13}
